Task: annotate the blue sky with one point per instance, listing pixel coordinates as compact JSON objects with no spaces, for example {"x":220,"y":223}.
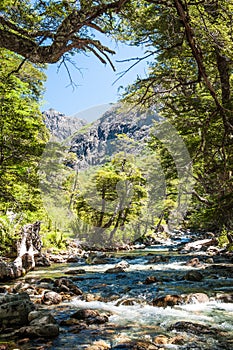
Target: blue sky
{"x":94,"y":81}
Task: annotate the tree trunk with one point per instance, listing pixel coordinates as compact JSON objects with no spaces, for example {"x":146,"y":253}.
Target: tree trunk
{"x":28,"y":246}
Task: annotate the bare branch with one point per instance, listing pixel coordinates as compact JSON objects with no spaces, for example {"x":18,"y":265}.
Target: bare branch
{"x":137,"y":59}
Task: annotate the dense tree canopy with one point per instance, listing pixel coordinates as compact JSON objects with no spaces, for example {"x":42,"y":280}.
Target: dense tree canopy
{"x":44,"y":31}
{"x":190,"y":82}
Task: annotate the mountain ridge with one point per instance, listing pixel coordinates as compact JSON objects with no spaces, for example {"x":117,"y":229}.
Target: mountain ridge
{"x":120,"y":129}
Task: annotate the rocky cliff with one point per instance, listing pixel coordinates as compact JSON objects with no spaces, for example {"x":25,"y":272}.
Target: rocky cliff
{"x":61,"y":125}
{"x":121,"y":129}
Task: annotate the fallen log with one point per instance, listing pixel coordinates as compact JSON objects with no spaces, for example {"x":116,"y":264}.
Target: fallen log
{"x":28,"y":245}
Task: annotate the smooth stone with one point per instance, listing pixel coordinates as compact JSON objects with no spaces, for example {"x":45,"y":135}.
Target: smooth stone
{"x":195,"y":298}
{"x":50,"y":297}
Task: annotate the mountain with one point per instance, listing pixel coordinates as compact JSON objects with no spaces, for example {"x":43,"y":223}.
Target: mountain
{"x":121,"y":129}
{"x":61,"y":125}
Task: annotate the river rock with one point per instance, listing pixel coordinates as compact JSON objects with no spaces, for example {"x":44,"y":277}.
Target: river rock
{"x":115,"y":270}
{"x":41,"y":318}
{"x":200,"y":244}
{"x":90,"y":316}
{"x":75,"y":272}
{"x":46,"y":280}
{"x":73,"y":259}
{"x":150,"y":280}
{"x":194,"y":276}
{"x":190,"y":327}
{"x":14,"y":309}
{"x":158,"y":259}
{"x":128,"y":302}
{"x":21,"y":287}
{"x":195,"y":262}
{"x":98,"y":260}
{"x":225,"y":297}
{"x":99,"y":345}
{"x":178,"y":339}
{"x":58,"y":259}
{"x":195,"y":298}
{"x":168,"y":300}
{"x":4,"y":289}
{"x":51,"y":297}
{"x":42,"y":260}
{"x":67,"y":286}
{"x":37,"y":331}
{"x":123,"y":264}
{"x":161,"y":339}
{"x":92,"y":297}
{"x":42,"y":324}
{"x":136,"y":345}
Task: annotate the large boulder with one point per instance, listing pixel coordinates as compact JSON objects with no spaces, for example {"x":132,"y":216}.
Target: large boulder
{"x":37,"y":331}
{"x":14,"y":309}
{"x":42,"y":324}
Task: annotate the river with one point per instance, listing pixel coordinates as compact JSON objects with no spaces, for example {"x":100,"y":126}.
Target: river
{"x":127,"y":299}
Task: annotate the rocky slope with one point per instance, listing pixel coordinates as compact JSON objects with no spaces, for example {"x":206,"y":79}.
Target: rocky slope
{"x":121,"y":129}
{"x":118,"y":130}
{"x":61,"y":125}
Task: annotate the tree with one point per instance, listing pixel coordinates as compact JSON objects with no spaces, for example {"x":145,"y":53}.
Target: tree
{"x":114,"y":198}
{"x":22,"y":134}
{"x":190,"y":81}
{"x":44,"y":31}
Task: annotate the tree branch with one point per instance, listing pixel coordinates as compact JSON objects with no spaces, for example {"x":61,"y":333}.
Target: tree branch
{"x":64,"y":38}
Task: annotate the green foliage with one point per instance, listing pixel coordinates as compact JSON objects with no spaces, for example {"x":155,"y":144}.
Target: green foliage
{"x":190,"y":82}
{"x":223,"y":239}
{"x":112,"y":200}
{"x":10,"y":225}
{"x":22,"y":140}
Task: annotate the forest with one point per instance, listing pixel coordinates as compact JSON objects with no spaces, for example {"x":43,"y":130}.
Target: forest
{"x":135,"y":251}
{"x":189,"y":83}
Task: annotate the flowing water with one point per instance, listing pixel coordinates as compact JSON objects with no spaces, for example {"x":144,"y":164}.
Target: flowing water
{"x":127,"y":300}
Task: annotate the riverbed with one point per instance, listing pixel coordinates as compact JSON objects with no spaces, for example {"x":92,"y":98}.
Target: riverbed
{"x":128,"y":299}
